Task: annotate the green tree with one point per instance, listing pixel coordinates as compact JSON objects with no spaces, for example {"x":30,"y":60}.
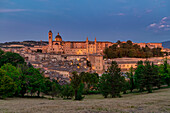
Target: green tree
{"x":35,"y":81}
{"x":55,"y":89}
{"x":14,"y":74}
{"x":148,"y":76}
{"x":7,"y":85}
{"x":75,"y":83}
{"x":116,"y":80}
{"x":23,"y":68}
{"x":112,"y":82}
{"x":139,"y":78}
{"x":67,"y":91}
{"x":131,"y":79}
{"x":164,"y":71}
{"x":104,"y":85}
{"x":1,"y":53}
{"x":145,"y":76}
{"x":126,"y":85}
{"x":89,"y":79}
{"x":157,"y":77}
{"x":12,"y":58}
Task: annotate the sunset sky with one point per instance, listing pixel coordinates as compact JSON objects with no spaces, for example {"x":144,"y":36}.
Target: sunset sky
{"x":107,"y":20}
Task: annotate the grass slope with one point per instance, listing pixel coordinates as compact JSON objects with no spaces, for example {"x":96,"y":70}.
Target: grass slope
{"x":157,"y":102}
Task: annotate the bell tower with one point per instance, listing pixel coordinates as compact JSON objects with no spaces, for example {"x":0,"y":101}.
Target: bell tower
{"x":87,"y":46}
{"x":50,"y":38}
{"x":95,"y":45}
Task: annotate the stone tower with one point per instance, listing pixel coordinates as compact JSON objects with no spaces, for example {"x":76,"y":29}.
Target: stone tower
{"x":50,"y":38}
{"x":95,"y":46}
{"x":87,"y":46}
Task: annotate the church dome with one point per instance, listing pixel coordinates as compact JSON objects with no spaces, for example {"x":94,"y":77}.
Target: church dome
{"x":58,"y":38}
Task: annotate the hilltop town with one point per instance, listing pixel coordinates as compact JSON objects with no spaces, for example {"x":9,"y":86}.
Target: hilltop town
{"x":58,"y":58}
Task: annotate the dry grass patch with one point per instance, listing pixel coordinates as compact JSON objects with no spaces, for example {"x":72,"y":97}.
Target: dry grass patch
{"x":157,"y":102}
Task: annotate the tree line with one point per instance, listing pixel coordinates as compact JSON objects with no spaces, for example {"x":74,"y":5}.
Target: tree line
{"x":129,"y":49}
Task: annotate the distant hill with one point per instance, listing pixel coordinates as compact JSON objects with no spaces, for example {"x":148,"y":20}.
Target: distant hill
{"x":166,"y":44}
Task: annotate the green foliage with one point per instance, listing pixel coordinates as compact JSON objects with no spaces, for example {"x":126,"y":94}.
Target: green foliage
{"x":131,"y":79}
{"x":22,"y":68}
{"x":104,"y":85}
{"x":126,"y":86}
{"x":13,"y":73}
{"x":7,"y":85}
{"x":67,"y":91}
{"x":80,"y":92}
{"x":75,"y":83}
{"x":164,"y":71}
{"x":129,"y":49}
{"x":36,"y":80}
{"x":47,"y":88}
{"x":55,"y":89}
{"x":147,"y":76}
{"x":1,"y":53}
{"x":139,"y":78}
{"x":90,"y":80}
{"x":12,"y":58}
{"x":112,"y":82}
{"x":116,"y":80}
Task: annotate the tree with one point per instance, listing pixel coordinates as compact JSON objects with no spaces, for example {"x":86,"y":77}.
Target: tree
{"x":131,"y":78}
{"x":139,"y":78}
{"x":75,"y":83}
{"x":116,"y":80}
{"x":164,"y":71}
{"x":12,"y":58}
{"x":14,"y":74}
{"x":104,"y":85}
{"x":126,"y":85}
{"x":112,"y":82}
{"x":23,"y":68}
{"x":47,"y":88}
{"x":129,"y":49}
{"x":89,"y":79}
{"x":148,"y":76}
{"x":67,"y":91}
{"x":54,"y":90}
{"x":7,"y":85}
{"x":118,"y":42}
{"x":1,"y":53}
{"x":35,"y":81}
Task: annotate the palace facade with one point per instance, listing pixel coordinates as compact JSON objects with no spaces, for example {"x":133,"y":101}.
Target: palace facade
{"x":87,"y":47}
{"x":74,"y":47}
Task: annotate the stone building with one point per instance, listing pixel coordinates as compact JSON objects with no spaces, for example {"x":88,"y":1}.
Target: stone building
{"x":58,"y":46}
{"x":74,"y":47}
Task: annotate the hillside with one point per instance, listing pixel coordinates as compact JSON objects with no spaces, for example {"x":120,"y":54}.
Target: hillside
{"x":166,"y":44}
{"x":157,"y":102}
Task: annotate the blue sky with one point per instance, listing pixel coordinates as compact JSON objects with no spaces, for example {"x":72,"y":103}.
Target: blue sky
{"x":111,"y":20}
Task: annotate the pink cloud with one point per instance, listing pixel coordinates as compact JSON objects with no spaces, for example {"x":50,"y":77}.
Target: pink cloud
{"x":162,"y":25}
{"x":12,"y":10}
{"x":121,"y":14}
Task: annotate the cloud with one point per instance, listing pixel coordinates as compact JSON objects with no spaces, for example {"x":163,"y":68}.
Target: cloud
{"x":116,"y":14}
{"x":12,"y":10}
{"x":148,"y":11}
{"x":162,"y":25}
{"x":152,"y":25}
{"x":164,"y":18}
{"x":120,"y":14}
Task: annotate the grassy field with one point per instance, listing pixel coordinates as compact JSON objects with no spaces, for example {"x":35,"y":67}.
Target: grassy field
{"x":157,"y":102}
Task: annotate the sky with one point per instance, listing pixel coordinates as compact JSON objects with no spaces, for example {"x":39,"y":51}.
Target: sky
{"x":107,"y":20}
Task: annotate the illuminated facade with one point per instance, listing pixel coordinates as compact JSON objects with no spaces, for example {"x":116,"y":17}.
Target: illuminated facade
{"x":74,"y":47}
{"x":82,"y":47}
